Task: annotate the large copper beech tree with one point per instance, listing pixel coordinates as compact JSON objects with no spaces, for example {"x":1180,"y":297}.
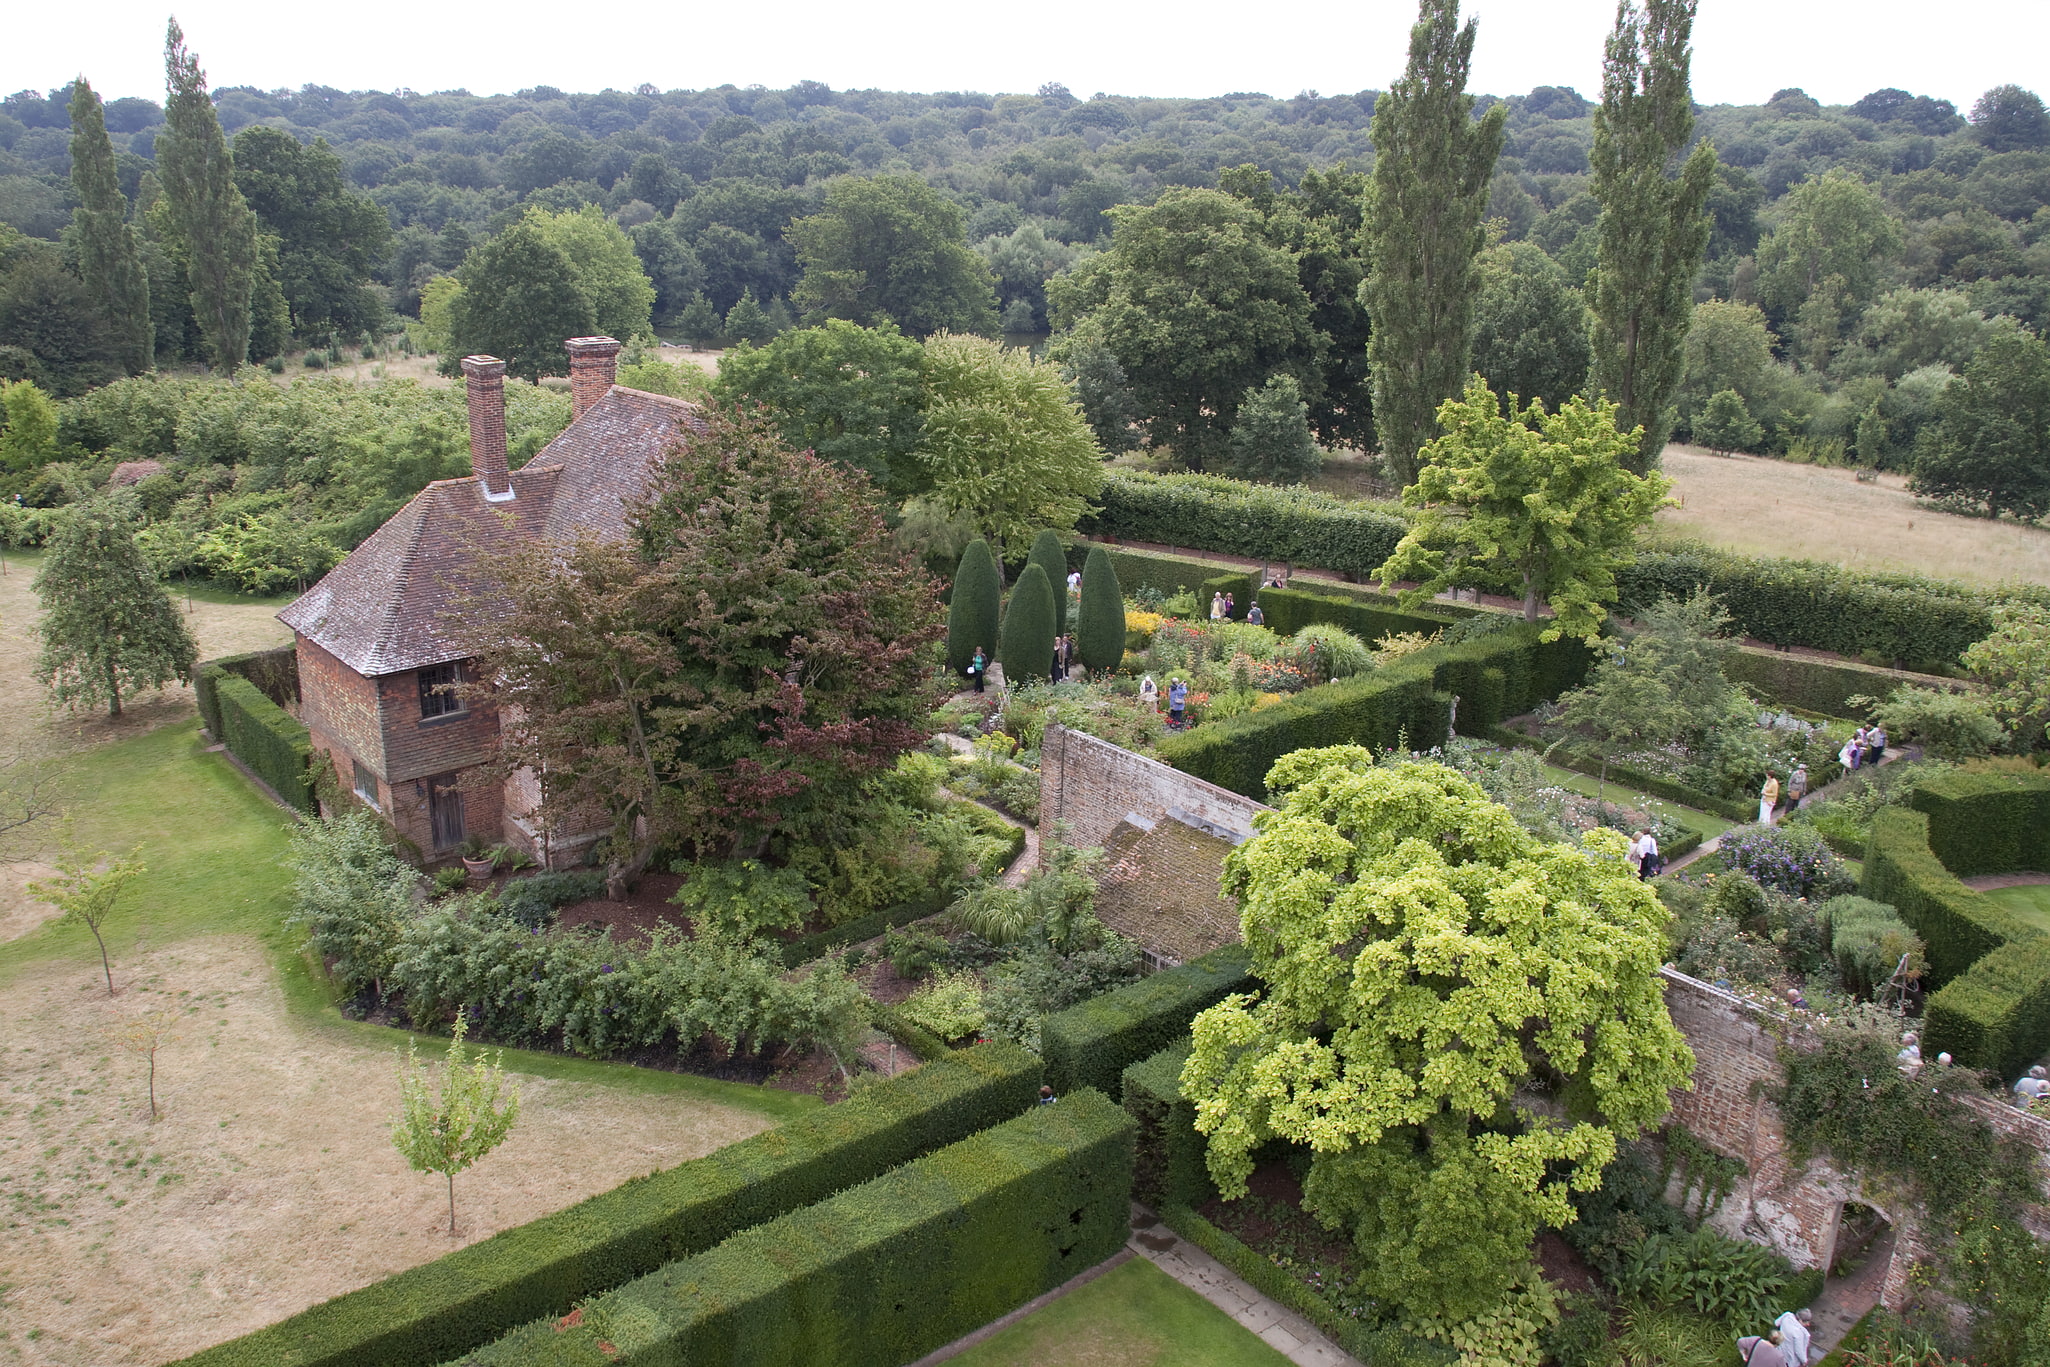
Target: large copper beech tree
{"x":732,"y":670}
{"x":1427,"y":966}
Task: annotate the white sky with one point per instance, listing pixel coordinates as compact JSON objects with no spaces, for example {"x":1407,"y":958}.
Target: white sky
{"x":1837,"y":50}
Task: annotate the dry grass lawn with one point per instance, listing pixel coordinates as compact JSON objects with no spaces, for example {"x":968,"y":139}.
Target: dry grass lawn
{"x":270,"y":1182}
{"x":1770,"y":507}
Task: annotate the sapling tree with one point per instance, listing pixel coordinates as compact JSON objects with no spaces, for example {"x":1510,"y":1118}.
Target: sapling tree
{"x":450,"y":1118}
{"x":143,"y":1036}
{"x":86,"y":889}
{"x":1423,"y":959}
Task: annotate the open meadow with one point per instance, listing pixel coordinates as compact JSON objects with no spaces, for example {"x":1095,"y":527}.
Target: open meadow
{"x":269,"y":1181}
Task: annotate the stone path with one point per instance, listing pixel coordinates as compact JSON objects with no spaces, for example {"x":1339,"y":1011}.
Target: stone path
{"x":1845,"y":1300}
{"x":1282,"y":1329}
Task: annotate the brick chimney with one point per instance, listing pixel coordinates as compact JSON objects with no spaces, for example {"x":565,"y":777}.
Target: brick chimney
{"x":593,"y":366}
{"x":484,"y":377}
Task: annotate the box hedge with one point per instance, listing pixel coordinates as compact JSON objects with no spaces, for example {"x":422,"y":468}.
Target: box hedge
{"x":434,"y":1312}
{"x":1091,"y":1044}
{"x":1502,"y":674}
{"x":1168,"y":1166}
{"x":1987,"y":823}
{"x":1991,"y":968}
{"x":1824,"y":687}
{"x":267,"y":739}
{"x":1290,"y":610}
{"x":274,"y":672}
{"x":879,"y":1275}
{"x":1282,"y":524}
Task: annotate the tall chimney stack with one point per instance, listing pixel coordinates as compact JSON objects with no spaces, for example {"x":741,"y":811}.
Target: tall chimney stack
{"x":484,"y":377}
{"x":593,"y":369}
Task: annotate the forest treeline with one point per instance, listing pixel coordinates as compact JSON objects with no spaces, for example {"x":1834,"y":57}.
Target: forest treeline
{"x":1207,"y":267}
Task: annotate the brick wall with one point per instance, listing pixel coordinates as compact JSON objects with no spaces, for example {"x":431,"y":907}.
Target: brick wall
{"x":1092,"y":785}
{"x":339,"y":706}
{"x":415,"y":746}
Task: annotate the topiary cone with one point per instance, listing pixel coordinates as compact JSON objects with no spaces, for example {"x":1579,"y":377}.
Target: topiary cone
{"x":972,"y":612}
{"x":1048,"y":554}
{"x":1026,"y":648}
{"x":1100,"y":620}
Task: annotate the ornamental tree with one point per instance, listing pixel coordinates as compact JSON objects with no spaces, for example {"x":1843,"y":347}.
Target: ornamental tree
{"x":1100,"y":618}
{"x":448,"y":1122}
{"x":1423,"y":959}
{"x":1026,"y":649}
{"x":109,"y":630}
{"x":1048,"y":553}
{"x":2014,"y":663}
{"x":1539,"y":499}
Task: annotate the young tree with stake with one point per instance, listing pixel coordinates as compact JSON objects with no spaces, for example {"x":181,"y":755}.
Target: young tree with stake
{"x":445,"y":1124}
{"x":143,"y":1036}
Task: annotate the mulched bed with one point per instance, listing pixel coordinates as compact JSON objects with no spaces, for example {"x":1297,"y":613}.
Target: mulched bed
{"x":645,"y":907}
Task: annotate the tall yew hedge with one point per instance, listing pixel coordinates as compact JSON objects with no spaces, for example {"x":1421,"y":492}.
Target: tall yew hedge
{"x":1026,"y":646}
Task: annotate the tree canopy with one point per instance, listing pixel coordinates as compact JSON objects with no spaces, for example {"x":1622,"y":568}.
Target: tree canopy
{"x":330,"y":238}
{"x":1540,"y":501}
{"x":109,"y":630}
{"x":851,"y":393}
{"x":1422,"y":957}
{"x":519,"y":301}
{"x":890,"y":247}
{"x":1991,"y":446}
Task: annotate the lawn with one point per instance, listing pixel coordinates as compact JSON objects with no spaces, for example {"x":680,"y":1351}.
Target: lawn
{"x":1135,"y":1315}
{"x":2031,"y":902}
{"x":1709,"y":824}
{"x":269,"y":1182}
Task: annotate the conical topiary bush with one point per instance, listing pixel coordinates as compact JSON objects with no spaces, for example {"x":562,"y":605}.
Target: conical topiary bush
{"x":1026,"y":648}
{"x":1100,"y":620}
{"x":972,"y":612}
{"x":1049,"y":556}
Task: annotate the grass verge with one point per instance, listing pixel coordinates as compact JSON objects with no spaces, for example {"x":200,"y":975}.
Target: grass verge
{"x":1135,"y":1315}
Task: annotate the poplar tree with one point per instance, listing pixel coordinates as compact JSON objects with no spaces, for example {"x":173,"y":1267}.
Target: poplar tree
{"x":1652,"y":230}
{"x":109,"y":257}
{"x":1433,"y":162}
{"x":207,"y":211}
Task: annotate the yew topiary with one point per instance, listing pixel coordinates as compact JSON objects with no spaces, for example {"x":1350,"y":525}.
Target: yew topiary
{"x":1026,"y":647}
{"x":972,"y":614}
{"x":1048,"y":554}
{"x":1100,"y":620}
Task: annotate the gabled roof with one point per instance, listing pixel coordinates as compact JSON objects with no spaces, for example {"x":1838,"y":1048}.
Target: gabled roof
{"x":388,"y":607}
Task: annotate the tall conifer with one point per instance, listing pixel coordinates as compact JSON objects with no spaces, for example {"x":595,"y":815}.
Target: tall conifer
{"x":108,"y":255}
{"x":1100,"y":619}
{"x":973,"y":607}
{"x":1652,"y":230}
{"x":207,"y":211}
{"x":1026,"y":649}
{"x":1433,"y":162}
{"x":1048,"y":554}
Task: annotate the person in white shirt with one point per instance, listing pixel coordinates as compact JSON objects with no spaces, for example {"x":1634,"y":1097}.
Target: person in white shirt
{"x":1796,"y":1327}
{"x":1910,"y":1055}
{"x":1634,"y":856}
{"x":1762,"y":1352}
{"x":1074,"y":581}
{"x":1649,"y":863}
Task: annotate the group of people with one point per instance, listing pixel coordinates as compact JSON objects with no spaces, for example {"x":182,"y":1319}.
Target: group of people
{"x":1063,"y":663}
{"x":1866,"y":746}
{"x":1790,"y":1344}
{"x":1769,"y":795}
{"x":1222,"y":605}
{"x":1177,"y":698}
{"x":1643,"y":855}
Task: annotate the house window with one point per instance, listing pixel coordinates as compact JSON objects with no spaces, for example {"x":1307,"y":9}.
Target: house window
{"x":366,"y":786}
{"x":438,"y":696}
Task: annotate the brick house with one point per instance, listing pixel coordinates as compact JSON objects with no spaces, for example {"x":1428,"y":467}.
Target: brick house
{"x":377,"y":649}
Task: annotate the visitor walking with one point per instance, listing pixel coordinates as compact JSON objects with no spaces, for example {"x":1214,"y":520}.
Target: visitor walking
{"x":1149,"y":693}
{"x":1059,"y":672}
{"x":1875,"y":743}
{"x":1768,"y":798}
{"x":1177,"y":699}
{"x":1217,"y":607}
{"x":1650,"y":863}
{"x":1074,"y":581}
{"x":1255,"y":616}
{"x":1797,"y":787}
{"x":1795,"y":1336}
{"x":1634,"y":856}
{"x":1230,"y":605}
{"x":978,"y":665}
{"x":1761,"y":1352}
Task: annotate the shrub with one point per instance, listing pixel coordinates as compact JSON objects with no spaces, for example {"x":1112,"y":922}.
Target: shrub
{"x":1868,"y":940}
{"x":1949,"y":725}
{"x":1790,"y":859}
{"x":1325,"y":652}
{"x":444,"y":1308}
{"x":913,"y":953}
{"x":1025,"y":644}
{"x":742,"y":897}
{"x":949,"y":1006}
{"x":314,"y":360}
{"x":268,"y":740}
{"x":534,"y":901}
{"x":350,"y":894}
{"x":1048,"y":554}
{"x":882,"y":1274}
{"x":1092,"y":1044}
{"x":1721,"y":1278}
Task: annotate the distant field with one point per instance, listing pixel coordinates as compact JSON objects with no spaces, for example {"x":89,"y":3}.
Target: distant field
{"x":1769,"y":507}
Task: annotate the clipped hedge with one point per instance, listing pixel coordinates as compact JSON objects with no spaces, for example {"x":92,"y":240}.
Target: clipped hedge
{"x":1499,"y":675}
{"x":274,"y":672}
{"x":1987,"y":823}
{"x":1091,"y":1045}
{"x":268,"y":740}
{"x":1991,"y":968}
{"x":431,"y":1313}
{"x":1168,"y":1166}
{"x":1369,"y":618}
{"x":1284,"y":524}
{"x":880,"y":1275}
{"x":1378,"y":1347}
{"x":1825,"y":687}
{"x":1905,"y":619}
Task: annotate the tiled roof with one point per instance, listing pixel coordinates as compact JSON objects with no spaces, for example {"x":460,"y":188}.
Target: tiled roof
{"x":388,"y":607}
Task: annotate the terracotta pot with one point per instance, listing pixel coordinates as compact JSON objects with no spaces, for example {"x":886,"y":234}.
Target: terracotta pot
{"x":478,"y":868}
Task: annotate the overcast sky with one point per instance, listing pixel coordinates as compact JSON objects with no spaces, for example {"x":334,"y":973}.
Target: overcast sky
{"x":1837,"y":50}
